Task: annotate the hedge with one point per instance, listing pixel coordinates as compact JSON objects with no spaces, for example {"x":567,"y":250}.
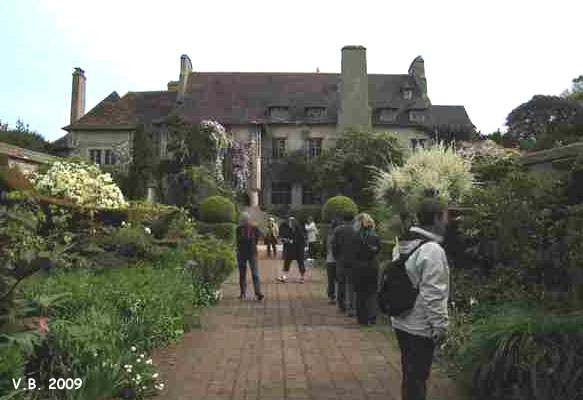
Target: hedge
{"x":224,"y":230}
{"x":302,"y":213}
{"x":217,"y":209}
{"x":339,"y":207}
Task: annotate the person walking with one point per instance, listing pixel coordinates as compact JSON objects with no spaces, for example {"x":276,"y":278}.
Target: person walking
{"x":343,"y":252}
{"x":247,"y":236}
{"x":293,"y":236}
{"x":425,"y":326}
{"x":271,"y":236}
{"x":312,"y":233}
{"x":366,"y":269}
{"x":331,"y":264}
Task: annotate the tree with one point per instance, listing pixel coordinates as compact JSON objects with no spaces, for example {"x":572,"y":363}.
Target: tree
{"x":552,"y":120}
{"x":576,"y":91}
{"x":22,"y":136}
{"x":348,"y":169}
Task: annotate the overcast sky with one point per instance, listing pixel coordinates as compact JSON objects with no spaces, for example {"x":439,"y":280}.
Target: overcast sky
{"x":489,"y":56}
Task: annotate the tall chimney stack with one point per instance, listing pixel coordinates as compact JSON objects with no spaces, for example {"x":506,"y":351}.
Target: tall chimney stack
{"x":185,"y":70}
{"x":78,"y":95}
{"x":354,"y":109}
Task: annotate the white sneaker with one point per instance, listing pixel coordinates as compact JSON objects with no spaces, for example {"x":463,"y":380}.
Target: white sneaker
{"x":282,"y":279}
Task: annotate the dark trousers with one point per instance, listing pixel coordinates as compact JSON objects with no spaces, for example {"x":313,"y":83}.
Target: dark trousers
{"x":271,"y":243}
{"x":243,"y":260}
{"x":341,"y":293}
{"x":312,"y":249}
{"x":365,"y":285}
{"x":287,"y":264}
{"x":331,"y":270}
{"x":416,"y":358}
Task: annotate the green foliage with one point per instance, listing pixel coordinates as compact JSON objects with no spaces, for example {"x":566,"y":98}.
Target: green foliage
{"x":531,"y":354}
{"x":346,"y":168}
{"x":576,"y":91}
{"x":339,"y":207}
{"x":223,"y":230}
{"x":216,"y":209}
{"x":12,"y":361}
{"x":545,"y":118}
{"x":144,"y":165}
{"x":22,"y":136}
{"x":215,"y":257}
{"x":279,"y":211}
{"x":303,"y":212}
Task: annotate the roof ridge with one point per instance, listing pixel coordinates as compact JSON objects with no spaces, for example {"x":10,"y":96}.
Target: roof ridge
{"x":256,"y":72}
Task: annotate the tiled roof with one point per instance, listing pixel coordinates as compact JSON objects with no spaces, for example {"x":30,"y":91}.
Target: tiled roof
{"x":127,"y":111}
{"x":245,"y":97}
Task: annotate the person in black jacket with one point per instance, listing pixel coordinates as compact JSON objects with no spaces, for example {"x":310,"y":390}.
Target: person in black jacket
{"x":247,"y":237}
{"x":344,"y":255}
{"x":293,"y":237}
{"x":365,"y":268}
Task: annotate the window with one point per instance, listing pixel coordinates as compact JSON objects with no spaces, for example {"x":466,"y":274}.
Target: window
{"x":315,"y":112}
{"x":279,"y":147}
{"x":387,"y":114}
{"x":407,"y":94}
{"x":415,"y":143}
{"x":109,"y":157}
{"x":95,"y":155}
{"x":279,"y":112}
{"x":313,"y":147}
{"x":280,"y":193}
{"x":415,"y":116}
{"x":309,"y":196}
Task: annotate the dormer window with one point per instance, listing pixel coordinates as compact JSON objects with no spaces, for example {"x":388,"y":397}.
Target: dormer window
{"x":279,"y":112}
{"x":407,"y":93}
{"x":315,"y":112}
{"x":387,"y":114}
{"x":416,"y":116}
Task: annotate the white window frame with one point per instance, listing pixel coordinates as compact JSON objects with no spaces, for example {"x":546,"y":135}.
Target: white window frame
{"x":278,"y":151}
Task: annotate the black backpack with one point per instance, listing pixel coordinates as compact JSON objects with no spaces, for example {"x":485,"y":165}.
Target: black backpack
{"x":397,"y":295}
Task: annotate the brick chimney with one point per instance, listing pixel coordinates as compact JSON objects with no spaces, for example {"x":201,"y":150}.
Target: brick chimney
{"x":78,"y":95}
{"x":354,"y":109}
{"x":185,"y":70}
{"x":417,"y":71}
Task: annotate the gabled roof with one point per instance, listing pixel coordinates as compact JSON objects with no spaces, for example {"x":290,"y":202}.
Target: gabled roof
{"x":127,"y":111}
{"x":245,"y":97}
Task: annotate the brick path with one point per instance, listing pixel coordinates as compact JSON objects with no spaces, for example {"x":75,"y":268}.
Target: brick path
{"x":293,"y":345}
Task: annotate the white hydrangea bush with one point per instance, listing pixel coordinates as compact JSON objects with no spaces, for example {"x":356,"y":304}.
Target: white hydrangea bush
{"x":437,"y":167}
{"x":83,"y":183}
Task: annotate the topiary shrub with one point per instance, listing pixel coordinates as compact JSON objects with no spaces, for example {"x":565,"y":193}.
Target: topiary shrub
{"x":224,"y":230}
{"x":303,"y":212}
{"x":216,"y":209}
{"x":216,"y":259}
{"x":339,"y":207}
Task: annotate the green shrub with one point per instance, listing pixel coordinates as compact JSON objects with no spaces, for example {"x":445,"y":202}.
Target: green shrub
{"x":12,"y":360}
{"x":216,"y":209}
{"x":302,"y":213}
{"x":215,"y":257}
{"x":338,"y":207}
{"x":224,"y":231}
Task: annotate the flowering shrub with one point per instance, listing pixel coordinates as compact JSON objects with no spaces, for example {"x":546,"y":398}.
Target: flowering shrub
{"x":83,"y":183}
{"x":222,"y":142}
{"x":240,"y":154}
{"x":438,"y":168}
{"x":138,"y":377}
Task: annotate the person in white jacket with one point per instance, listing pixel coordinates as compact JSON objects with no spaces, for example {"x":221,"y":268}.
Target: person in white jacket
{"x":425,"y":326}
{"x":312,"y":233}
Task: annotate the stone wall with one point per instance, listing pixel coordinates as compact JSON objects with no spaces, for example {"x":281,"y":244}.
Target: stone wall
{"x":86,"y":140}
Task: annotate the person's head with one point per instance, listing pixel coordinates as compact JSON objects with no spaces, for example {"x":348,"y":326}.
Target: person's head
{"x":310,"y":219}
{"x":245,"y":218}
{"x":291,"y":219}
{"x":347,"y":218}
{"x":335,"y":223}
{"x":271,"y":220}
{"x":363,"y":221}
{"x":433,"y":213}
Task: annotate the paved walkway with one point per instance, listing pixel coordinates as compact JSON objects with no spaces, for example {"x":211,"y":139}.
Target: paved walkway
{"x":293,"y":345}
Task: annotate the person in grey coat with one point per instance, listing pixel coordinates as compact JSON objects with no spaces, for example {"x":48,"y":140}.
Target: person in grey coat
{"x":331,"y":264}
{"x":426,"y":325}
{"x":343,"y":252}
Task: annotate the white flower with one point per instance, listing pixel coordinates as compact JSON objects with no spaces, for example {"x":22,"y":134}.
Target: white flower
{"x":155,"y":375}
{"x":149,"y":361}
{"x":473,"y":301}
{"x":142,"y":356}
{"x":148,"y":230}
{"x":133,"y":348}
{"x":138,"y":377}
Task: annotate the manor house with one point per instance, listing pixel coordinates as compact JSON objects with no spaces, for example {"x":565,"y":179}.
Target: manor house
{"x":281,"y":112}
